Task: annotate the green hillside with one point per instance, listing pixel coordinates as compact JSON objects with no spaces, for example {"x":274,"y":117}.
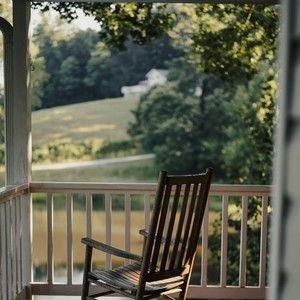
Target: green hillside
{"x":102,"y":119}
{"x":96,"y":120}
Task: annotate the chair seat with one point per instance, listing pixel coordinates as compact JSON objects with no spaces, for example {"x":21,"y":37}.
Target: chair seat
{"x":127,"y":278}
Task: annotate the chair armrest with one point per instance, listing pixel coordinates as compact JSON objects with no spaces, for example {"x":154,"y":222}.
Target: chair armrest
{"x":145,"y":233}
{"x":111,"y":250}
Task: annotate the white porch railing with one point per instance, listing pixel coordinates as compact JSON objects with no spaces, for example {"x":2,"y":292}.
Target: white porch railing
{"x":14,"y":243}
{"x":52,"y":193}
{"x":14,"y":236}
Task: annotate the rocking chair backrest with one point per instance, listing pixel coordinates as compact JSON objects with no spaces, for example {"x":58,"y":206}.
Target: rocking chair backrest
{"x":175,"y":225}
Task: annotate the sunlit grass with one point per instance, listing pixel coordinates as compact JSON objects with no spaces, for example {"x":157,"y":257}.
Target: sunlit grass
{"x":102,"y":119}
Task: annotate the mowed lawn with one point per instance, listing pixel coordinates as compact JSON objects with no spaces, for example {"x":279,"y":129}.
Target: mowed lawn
{"x":102,"y":119}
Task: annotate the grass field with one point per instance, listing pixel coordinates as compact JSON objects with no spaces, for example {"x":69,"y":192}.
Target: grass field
{"x":101,"y":119}
{"x":98,"y":120}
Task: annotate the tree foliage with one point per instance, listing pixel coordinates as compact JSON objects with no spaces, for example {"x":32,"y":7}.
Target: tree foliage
{"x":141,"y":22}
{"x":231,"y":40}
{"x":72,"y":65}
{"x":183,"y":129}
{"x":234,"y":118}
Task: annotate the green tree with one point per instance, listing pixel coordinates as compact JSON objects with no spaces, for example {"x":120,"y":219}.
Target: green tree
{"x":39,"y":77}
{"x":142,"y":22}
{"x":74,"y":66}
{"x":231,"y":40}
{"x":69,"y":75}
{"x":234,"y":44}
{"x":61,"y":57}
{"x":249,"y":153}
{"x":185,"y":130}
{"x":109,"y":69}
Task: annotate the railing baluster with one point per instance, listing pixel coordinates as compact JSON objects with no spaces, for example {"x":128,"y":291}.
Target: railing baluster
{"x":18,"y":243}
{"x":8,"y":248}
{"x":25,"y":239}
{"x":13,"y":248}
{"x":69,"y":238}
{"x":108,"y":211}
{"x":89,"y":215}
{"x":204,"y":248}
{"x":147,"y":210}
{"x":127,"y":223}
{"x":243,"y":242}
{"x":263,"y":241}
{"x":224,"y":241}
{"x":50,"y":267}
{"x":3,"y":241}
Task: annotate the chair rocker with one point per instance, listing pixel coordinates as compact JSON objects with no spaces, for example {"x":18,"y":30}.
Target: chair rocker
{"x":165,"y":266}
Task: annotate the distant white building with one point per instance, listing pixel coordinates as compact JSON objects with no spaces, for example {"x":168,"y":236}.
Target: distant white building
{"x":153,"y":77}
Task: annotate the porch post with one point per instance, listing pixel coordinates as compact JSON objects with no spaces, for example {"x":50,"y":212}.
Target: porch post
{"x":18,"y":139}
{"x":18,"y":113}
{"x":285,"y":263}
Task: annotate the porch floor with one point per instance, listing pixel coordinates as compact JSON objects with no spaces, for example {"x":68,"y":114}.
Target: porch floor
{"x":72,"y":298}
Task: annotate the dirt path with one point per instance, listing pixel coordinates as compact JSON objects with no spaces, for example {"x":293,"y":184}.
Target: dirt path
{"x":93,"y":163}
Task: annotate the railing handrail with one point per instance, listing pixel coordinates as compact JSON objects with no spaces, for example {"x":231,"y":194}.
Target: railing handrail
{"x":13,"y":191}
{"x":216,"y":189}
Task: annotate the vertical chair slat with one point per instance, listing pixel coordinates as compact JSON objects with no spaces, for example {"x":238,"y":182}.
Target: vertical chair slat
{"x":69,"y":238}
{"x":243,"y":242}
{"x":199,"y":212}
{"x":160,"y":229}
{"x":50,"y":266}
{"x":127,"y":224}
{"x":263,"y":241}
{"x":180,"y":229}
{"x":188,"y":221}
{"x":108,"y":211}
{"x":224,"y":241}
{"x":170,"y":228}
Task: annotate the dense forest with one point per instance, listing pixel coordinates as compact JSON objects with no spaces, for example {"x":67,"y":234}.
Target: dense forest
{"x":71,"y":66}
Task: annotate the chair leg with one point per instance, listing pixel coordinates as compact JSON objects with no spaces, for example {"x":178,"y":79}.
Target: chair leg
{"x":87,"y":269}
{"x":184,"y":287}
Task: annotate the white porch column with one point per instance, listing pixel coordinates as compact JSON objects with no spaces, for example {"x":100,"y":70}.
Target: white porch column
{"x":18,"y":113}
{"x":285,"y":263}
{"x":18,"y":139}
{"x":7,"y":31}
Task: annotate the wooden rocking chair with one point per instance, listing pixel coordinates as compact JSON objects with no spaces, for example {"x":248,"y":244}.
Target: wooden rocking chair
{"x":170,"y":244}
